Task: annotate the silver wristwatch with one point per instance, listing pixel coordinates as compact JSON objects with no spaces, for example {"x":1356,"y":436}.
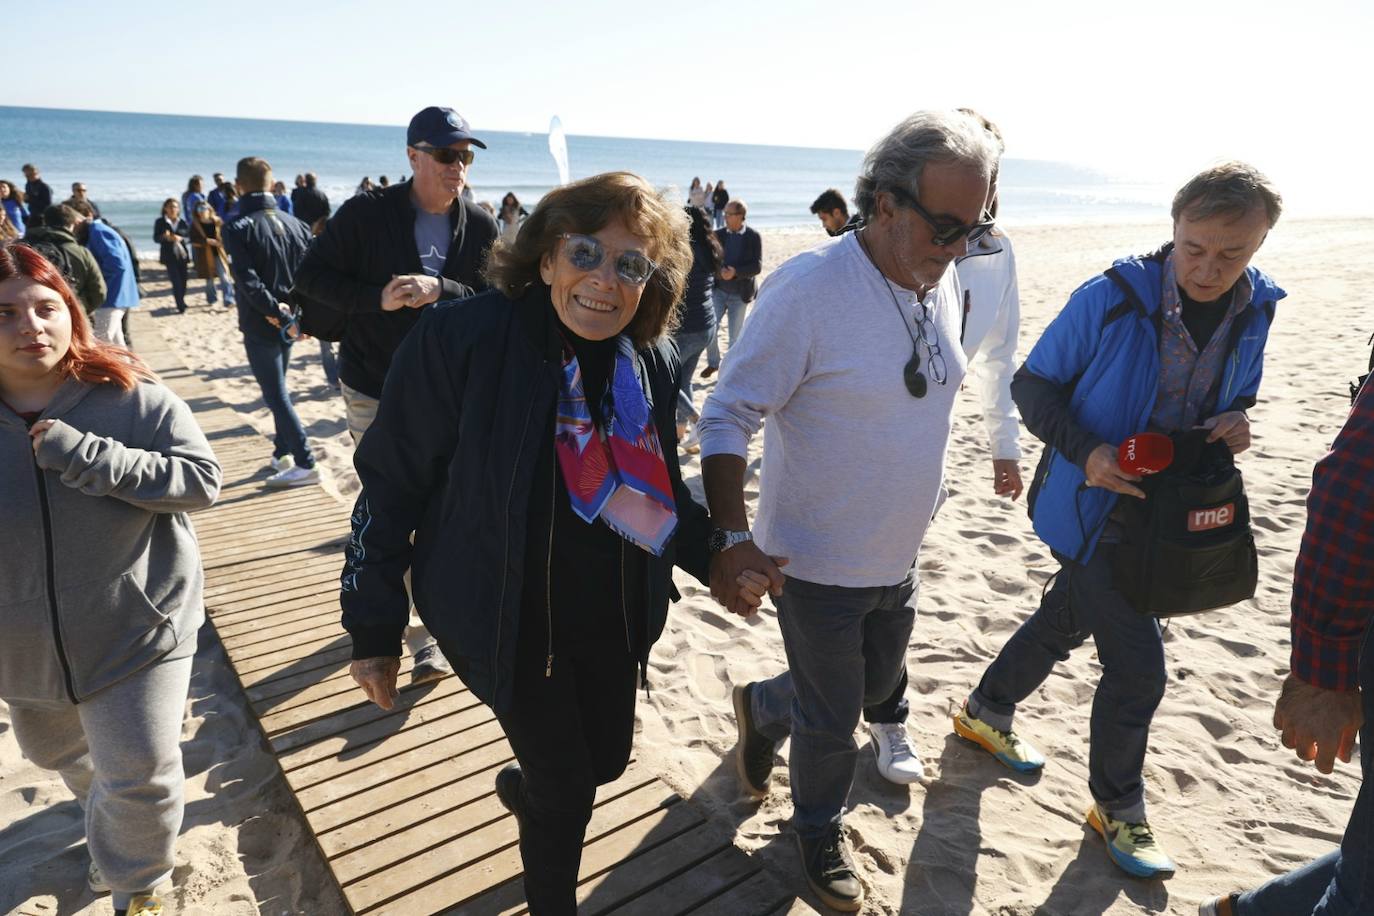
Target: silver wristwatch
{"x":722,"y":539}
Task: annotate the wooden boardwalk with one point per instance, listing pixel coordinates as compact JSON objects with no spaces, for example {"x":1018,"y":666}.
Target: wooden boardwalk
{"x":401,"y":804}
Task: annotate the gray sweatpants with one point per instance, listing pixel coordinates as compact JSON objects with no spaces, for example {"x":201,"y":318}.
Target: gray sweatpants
{"x":120,"y":753}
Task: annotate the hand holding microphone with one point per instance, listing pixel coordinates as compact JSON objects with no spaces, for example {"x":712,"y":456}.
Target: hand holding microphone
{"x":1119,"y":468}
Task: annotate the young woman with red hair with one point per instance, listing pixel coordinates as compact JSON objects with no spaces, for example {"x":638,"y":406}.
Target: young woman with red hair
{"x":100,"y":577}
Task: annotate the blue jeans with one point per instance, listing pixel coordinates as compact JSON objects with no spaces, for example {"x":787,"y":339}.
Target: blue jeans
{"x":1340,"y":883}
{"x":1082,"y":603}
{"x":724,"y":303}
{"x":225,"y":284}
{"x":845,"y":647}
{"x":268,"y":358}
{"x":690,"y":346}
{"x":330,"y":361}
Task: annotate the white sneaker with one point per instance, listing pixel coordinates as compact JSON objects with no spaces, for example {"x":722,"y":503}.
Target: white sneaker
{"x":691,"y":443}
{"x":897,"y":759}
{"x":430,"y":665}
{"x":96,"y":881}
{"x":294,"y":477}
{"x":282,"y":463}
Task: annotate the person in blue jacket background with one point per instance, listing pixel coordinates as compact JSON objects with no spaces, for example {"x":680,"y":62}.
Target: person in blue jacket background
{"x":116,"y":266}
{"x":1165,"y":342}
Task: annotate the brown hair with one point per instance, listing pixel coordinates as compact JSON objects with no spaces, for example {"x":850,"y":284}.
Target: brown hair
{"x":253,"y":174}
{"x":1231,"y":189}
{"x":87,"y":358}
{"x":587,"y":206}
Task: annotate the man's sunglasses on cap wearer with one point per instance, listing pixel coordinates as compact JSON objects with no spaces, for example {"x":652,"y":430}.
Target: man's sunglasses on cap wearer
{"x":446,"y":156}
{"x":946,"y":231}
{"x":586,"y":253}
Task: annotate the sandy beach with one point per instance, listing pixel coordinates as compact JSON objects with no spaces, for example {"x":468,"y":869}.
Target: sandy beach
{"x":1228,"y":801}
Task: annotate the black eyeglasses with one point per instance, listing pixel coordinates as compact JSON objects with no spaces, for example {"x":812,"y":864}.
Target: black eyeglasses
{"x":935,"y":361}
{"x":446,"y":156}
{"x":586,"y":253}
{"x":945,"y":230}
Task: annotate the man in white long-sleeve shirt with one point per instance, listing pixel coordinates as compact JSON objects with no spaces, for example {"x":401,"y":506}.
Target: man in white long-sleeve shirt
{"x":853,"y":355}
{"x":989,"y":321}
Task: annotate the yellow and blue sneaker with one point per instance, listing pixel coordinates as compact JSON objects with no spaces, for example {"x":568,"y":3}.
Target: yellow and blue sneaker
{"x":1007,"y":747}
{"x":142,"y":905}
{"x":1133,"y":847}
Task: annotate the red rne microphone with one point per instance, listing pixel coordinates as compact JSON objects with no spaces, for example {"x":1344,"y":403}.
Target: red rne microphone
{"x":1145,"y":454}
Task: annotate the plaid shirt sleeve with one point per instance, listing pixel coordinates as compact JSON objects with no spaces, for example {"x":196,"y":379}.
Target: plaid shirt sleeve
{"x":1333,"y":582}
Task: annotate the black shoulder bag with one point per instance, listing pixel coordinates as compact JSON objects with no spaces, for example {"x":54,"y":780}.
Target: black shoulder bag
{"x":1188,"y":547}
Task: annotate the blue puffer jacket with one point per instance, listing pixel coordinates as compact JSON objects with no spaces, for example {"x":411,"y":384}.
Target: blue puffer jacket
{"x":1103,"y":349}
{"x":110,"y":252}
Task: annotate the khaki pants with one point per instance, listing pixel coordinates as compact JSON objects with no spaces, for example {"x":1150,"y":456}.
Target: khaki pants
{"x":360,"y":411}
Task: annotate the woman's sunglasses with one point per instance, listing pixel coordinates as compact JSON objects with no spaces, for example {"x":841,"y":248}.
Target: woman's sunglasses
{"x":446,"y":156}
{"x":944,"y":230}
{"x":586,"y":253}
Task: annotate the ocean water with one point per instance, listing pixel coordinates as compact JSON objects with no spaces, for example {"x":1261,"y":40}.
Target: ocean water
{"x":132,"y":162}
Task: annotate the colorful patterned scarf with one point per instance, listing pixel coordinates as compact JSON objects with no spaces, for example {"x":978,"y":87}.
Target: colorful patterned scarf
{"x":617,"y":474}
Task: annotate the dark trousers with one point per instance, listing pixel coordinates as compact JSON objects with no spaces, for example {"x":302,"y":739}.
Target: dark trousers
{"x":176,"y":274}
{"x":845,"y":647}
{"x":894,"y":709}
{"x":1082,"y":603}
{"x":571,"y":732}
{"x":268,"y":358}
{"x":1340,"y":883}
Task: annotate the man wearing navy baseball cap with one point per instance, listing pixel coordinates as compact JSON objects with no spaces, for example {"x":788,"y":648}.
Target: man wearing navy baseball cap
{"x":383,"y":258}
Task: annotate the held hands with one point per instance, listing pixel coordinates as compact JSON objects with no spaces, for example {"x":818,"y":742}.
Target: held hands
{"x":742,"y":574}
{"x":1103,"y":470}
{"x":37,"y":431}
{"x":1233,"y":427}
{"x":377,"y":677}
{"x":410,"y":291}
{"x":727,"y":273}
{"x":1006,"y":477}
{"x":1319,"y":724}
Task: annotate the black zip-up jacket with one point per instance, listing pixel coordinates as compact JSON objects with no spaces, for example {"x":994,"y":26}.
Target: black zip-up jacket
{"x":367,"y":242}
{"x":451,"y":457}
{"x":266,"y":247}
{"x":309,"y":204}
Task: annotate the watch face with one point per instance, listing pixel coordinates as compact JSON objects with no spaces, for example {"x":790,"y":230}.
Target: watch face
{"x":716,"y":542}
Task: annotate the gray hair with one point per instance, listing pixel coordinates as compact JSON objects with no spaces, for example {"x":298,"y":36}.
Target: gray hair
{"x":1229,"y":189}
{"x":897,"y":160}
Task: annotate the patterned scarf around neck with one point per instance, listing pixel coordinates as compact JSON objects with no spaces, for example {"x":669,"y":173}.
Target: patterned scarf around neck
{"x":617,"y":474}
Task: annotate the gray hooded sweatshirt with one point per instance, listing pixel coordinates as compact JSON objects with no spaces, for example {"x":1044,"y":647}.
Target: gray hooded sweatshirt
{"x":100,"y":573}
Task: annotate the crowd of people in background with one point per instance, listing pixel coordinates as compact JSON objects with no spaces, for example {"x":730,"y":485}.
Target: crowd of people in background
{"x":588,"y":317}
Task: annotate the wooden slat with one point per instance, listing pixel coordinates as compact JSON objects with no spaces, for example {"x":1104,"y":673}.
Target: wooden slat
{"x":396,"y":803}
{"x":759,"y":894}
{"x":428,"y":882}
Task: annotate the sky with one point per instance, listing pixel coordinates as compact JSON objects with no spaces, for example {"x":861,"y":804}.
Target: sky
{"x":1157,"y":90}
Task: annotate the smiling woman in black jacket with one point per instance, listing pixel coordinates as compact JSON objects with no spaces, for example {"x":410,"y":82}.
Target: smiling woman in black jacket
{"x":527,"y":441}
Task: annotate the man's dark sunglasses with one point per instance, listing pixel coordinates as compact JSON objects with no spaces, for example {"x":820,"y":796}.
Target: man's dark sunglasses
{"x":446,"y":156}
{"x":945,"y":231}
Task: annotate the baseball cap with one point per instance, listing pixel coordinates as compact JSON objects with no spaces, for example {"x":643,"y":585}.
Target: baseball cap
{"x":439,"y":127}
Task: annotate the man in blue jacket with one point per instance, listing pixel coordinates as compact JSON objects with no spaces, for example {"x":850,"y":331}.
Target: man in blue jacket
{"x":1167,"y":342}
{"x":266,"y":247}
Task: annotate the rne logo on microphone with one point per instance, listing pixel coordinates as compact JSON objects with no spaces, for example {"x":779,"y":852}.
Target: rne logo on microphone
{"x":1209,"y":519}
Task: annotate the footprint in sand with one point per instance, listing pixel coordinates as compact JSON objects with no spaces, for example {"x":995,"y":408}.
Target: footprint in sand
{"x":708,"y":677}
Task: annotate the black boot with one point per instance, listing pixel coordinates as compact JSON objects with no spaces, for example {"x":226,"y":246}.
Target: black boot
{"x":829,"y":869}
